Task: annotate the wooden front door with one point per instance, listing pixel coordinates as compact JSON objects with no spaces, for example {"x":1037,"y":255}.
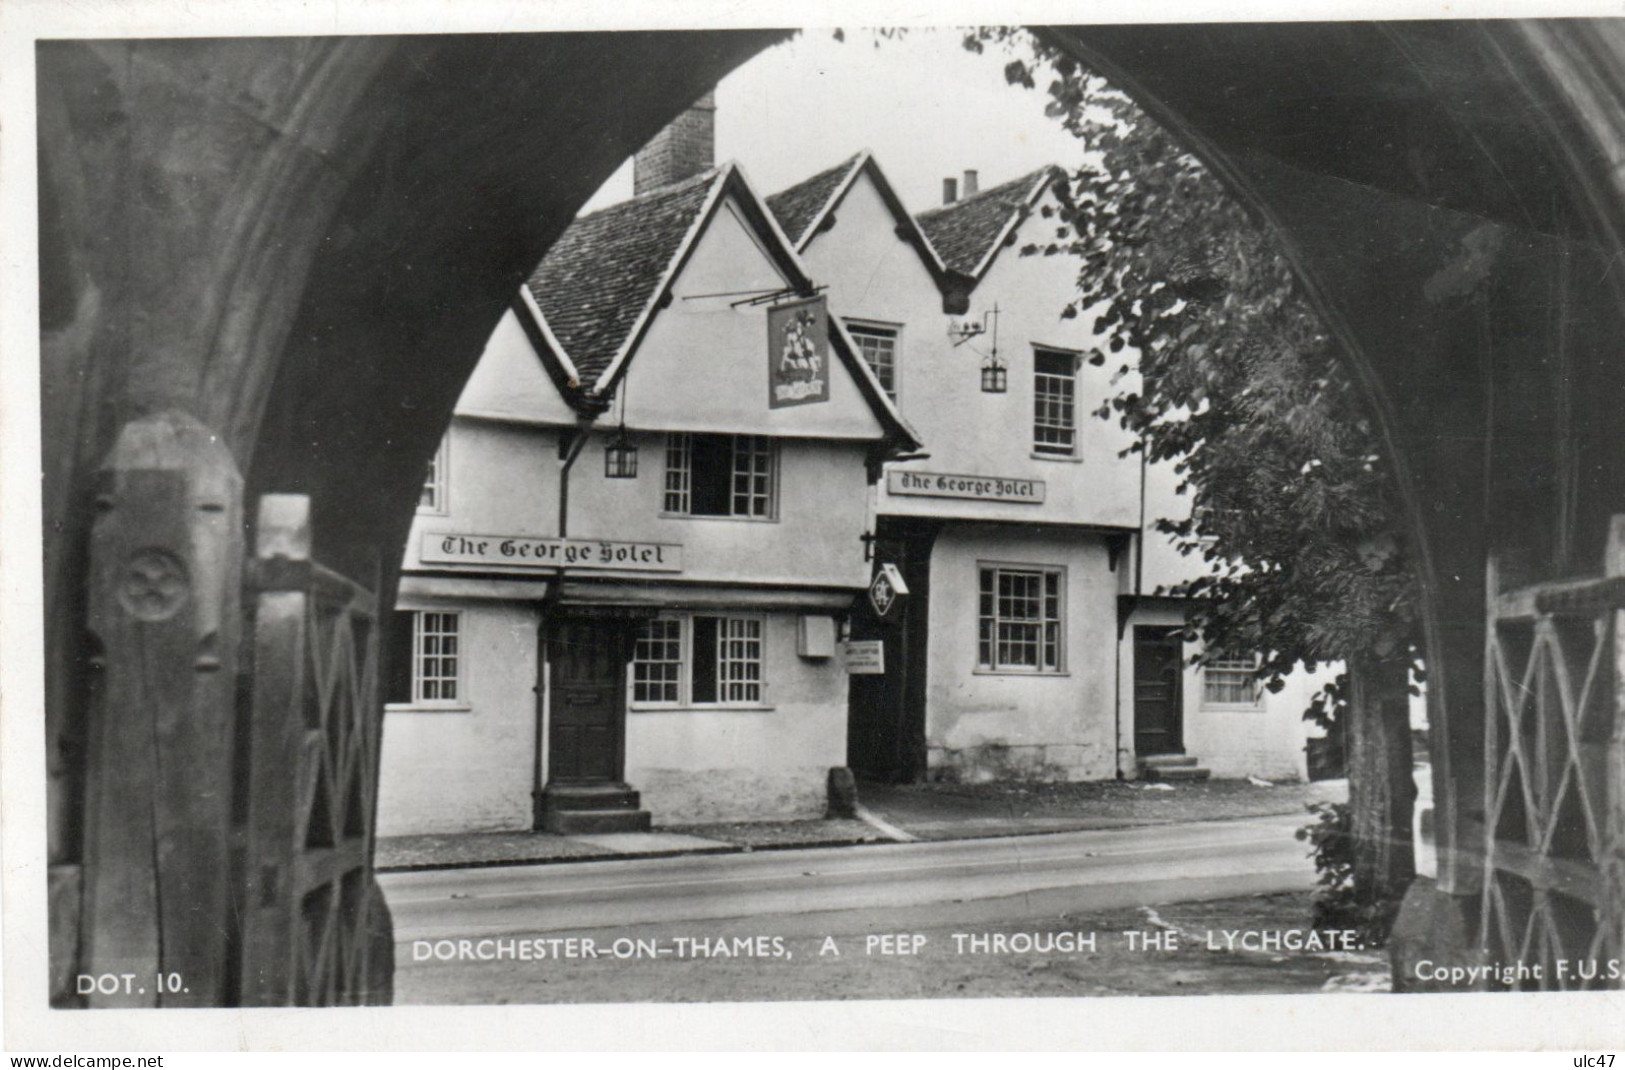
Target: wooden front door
{"x":1158,"y":673}
{"x":587,"y":700}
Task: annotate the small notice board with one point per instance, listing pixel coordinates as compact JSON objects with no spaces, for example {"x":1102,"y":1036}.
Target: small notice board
{"x":866,"y":657}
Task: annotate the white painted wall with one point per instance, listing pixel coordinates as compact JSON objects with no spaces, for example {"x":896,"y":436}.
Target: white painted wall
{"x":969,"y":431}
{"x":746,"y":765}
{"x":504,"y":480}
{"x":509,"y":380}
{"x":1265,"y":741}
{"x":470,"y":769}
{"x":872,"y":274}
{"x":982,"y":725}
{"x":703,"y":365}
{"x":1164,"y":566}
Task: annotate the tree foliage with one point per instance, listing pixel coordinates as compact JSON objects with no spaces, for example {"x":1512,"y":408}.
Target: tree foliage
{"x":1227,"y":374}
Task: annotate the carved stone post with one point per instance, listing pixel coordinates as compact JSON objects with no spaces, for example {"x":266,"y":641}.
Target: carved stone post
{"x":165,"y":576}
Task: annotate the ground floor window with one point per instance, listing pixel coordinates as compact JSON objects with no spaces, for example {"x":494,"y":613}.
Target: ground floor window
{"x":425,"y":663}
{"x":1020,"y":619}
{"x":1230,"y":682}
{"x":698,"y":660}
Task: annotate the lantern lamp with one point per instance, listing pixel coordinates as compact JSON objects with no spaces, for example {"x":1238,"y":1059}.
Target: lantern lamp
{"x":620,"y":457}
{"x":995,"y":378}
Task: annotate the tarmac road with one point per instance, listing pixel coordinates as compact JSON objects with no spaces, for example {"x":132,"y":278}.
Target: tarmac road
{"x":797,"y":892}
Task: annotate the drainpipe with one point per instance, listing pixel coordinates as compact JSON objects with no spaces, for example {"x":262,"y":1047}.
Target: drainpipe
{"x":1133,"y":604}
{"x":554,"y":591}
{"x":565,"y":464}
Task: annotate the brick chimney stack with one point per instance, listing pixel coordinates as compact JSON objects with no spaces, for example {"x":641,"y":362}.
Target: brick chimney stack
{"x":969,"y":187}
{"x":950,"y":191}
{"x":682,"y":150}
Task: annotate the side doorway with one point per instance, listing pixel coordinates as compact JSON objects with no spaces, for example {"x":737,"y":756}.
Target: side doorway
{"x":586,"y":741}
{"x":1159,"y":716}
{"x":585,"y":789}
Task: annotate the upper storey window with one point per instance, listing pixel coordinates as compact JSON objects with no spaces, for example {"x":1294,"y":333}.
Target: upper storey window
{"x":1055,"y":402}
{"x":722,"y":475}
{"x":433,"y":498}
{"x":879,"y":347}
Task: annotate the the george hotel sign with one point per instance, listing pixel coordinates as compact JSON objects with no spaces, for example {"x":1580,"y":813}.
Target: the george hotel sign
{"x":979,"y":488}
{"x":528,"y":552}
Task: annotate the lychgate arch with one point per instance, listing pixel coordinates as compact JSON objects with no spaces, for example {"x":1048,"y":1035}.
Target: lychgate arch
{"x":275,"y":261}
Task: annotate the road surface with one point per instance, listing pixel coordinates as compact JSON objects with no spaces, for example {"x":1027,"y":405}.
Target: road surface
{"x":802,"y":897}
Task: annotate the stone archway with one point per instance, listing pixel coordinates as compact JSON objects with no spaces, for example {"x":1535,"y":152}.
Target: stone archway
{"x":301,"y":244}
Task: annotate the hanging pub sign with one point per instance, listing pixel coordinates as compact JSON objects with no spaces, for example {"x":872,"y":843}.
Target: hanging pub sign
{"x":798,"y":353}
{"x":887,"y":590}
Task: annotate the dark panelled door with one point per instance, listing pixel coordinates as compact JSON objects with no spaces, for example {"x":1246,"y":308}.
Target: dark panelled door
{"x":587,"y":700}
{"x":1158,"y":671}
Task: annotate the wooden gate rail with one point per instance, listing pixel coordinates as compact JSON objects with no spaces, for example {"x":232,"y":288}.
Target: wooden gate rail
{"x":1554,"y":786}
{"x":311,"y":910}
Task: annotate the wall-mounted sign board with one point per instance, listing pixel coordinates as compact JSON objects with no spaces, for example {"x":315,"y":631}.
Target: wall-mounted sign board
{"x":887,"y":590}
{"x":522,"y":551}
{"x":866,"y":657}
{"x":978,"y":488}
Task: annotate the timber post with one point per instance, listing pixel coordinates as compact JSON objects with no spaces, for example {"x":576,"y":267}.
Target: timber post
{"x":164,"y":617}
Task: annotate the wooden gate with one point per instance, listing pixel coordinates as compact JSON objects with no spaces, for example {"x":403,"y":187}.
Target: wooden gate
{"x":1554,"y":826}
{"x":315,"y":930}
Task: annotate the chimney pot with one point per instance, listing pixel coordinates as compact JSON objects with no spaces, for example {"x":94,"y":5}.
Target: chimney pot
{"x":950,"y":191}
{"x":969,"y":186}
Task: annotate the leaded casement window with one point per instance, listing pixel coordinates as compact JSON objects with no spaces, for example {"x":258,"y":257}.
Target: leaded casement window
{"x":698,"y":660}
{"x":426,"y":663}
{"x":722,"y":475}
{"x":1230,"y":682}
{"x":657,"y":662}
{"x":1020,"y":619}
{"x":433,"y":497}
{"x":1055,"y":402}
{"x":879,"y":348}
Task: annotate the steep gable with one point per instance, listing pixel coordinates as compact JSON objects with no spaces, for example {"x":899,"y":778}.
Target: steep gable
{"x":968,"y":233}
{"x":603,"y":273}
{"x":614,"y":276}
{"x":808,"y":208}
{"x":801,"y":207}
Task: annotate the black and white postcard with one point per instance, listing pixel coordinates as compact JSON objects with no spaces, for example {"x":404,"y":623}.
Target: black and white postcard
{"x":1013,"y":529}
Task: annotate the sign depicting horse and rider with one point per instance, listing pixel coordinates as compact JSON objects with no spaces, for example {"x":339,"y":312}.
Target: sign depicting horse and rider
{"x":798,"y":353}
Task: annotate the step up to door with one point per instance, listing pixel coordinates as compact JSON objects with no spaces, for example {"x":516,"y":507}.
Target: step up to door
{"x":1172,"y":767}
{"x":577,"y":822}
{"x":1178,"y":772}
{"x":599,"y":807}
{"x":1163,"y":761}
{"x":589,"y":797}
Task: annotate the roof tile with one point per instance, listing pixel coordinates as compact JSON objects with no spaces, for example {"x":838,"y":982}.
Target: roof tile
{"x":602,"y":272}
{"x":964,"y":232}
{"x":797,"y":207}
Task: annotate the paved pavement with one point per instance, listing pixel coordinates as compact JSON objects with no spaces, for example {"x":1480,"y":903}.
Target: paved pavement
{"x":946,"y":880}
{"x":959,"y":811}
{"x":890,"y":813}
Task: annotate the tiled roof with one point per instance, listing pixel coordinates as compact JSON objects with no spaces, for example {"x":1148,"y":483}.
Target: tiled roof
{"x":796,"y":208}
{"x":602,"y":272}
{"x":963,"y":232}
